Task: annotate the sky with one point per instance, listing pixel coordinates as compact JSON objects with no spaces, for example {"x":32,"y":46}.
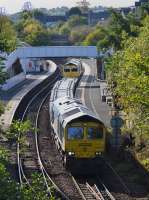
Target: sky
{"x":13,"y":6}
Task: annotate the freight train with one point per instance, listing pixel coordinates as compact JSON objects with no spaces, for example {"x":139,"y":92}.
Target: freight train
{"x":78,"y":133}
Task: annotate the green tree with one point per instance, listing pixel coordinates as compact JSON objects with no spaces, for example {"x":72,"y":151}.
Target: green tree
{"x":65,"y":29}
{"x":1,"y":108}
{"x":78,"y":34}
{"x":38,"y":190}
{"x":32,"y":31}
{"x":77,"y":21}
{"x":115,"y":33}
{"x":18,"y":127}
{"x":128,"y":68}
{"x":7,"y":35}
{"x":145,"y":8}
{"x":10,"y":189}
{"x":74,"y":11}
{"x":26,"y":15}
{"x":99,"y":37}
{"x":35,"y":34}
{"x":118,"y":25}
{"x":73,"y":22}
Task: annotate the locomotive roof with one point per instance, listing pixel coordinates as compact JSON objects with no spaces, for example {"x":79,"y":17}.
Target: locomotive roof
{"x":70,"y":109}
{"x":73,"y":61}
{"x":63,"y":88}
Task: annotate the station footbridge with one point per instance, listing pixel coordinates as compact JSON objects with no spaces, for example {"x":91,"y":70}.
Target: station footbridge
{"x":30,"y":59}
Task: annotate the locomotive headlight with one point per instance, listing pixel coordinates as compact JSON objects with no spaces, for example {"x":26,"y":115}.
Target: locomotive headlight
{"x":71,"y":153}
{"x":98,"y":153}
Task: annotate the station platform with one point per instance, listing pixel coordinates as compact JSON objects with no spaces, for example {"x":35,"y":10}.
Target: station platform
{"x":12,"y":98}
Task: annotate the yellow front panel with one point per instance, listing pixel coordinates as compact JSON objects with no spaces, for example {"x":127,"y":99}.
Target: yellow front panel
{"x":85,"y":148}
{"x":71,"y":74}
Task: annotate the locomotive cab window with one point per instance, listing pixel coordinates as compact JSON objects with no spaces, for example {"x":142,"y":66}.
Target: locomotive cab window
{"x":94,"y":133}
{"x":66,"y":70}
{"x":75,"y":133}
{"x":74,"y":69}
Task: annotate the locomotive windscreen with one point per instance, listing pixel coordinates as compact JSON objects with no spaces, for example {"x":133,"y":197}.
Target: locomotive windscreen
{"x":94,"y":133}
{"x":75,"y":133}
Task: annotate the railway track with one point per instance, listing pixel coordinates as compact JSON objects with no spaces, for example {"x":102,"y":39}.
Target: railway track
{"x":35,"y":157}
{"x":51,"y":159}
{"x":30,"y":160}
{"x":125,"y":188}
{"x":47,"y":161}
{"x":92,"y":189}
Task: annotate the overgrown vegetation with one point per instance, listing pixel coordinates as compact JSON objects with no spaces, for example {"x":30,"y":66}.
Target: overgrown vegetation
{"x":10,"y":189}
{"x":16,"y":128}
{"x":127,"y":74}
{"x":128,"y":70}
{"x":8,"y":36}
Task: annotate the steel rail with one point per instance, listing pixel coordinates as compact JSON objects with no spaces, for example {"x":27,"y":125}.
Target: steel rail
{"x":120,"y":179}
{"x":107,"y":192}
{"x":98,"y":194}
{"x":95,"y":194}
{"x":43,"y":170}
{"x":78,"y":188}
{"x":86,"y":190}
{"x":23,"y":116}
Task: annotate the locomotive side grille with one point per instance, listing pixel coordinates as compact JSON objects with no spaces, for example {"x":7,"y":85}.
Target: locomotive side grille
{"x":69,"y":113}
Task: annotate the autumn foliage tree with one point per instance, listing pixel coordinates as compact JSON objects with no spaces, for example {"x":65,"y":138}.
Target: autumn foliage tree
{"x":8,"y":37}
{"x":129,"y":69}
{"x":32,"y":31}
{"x":35,"y":34}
